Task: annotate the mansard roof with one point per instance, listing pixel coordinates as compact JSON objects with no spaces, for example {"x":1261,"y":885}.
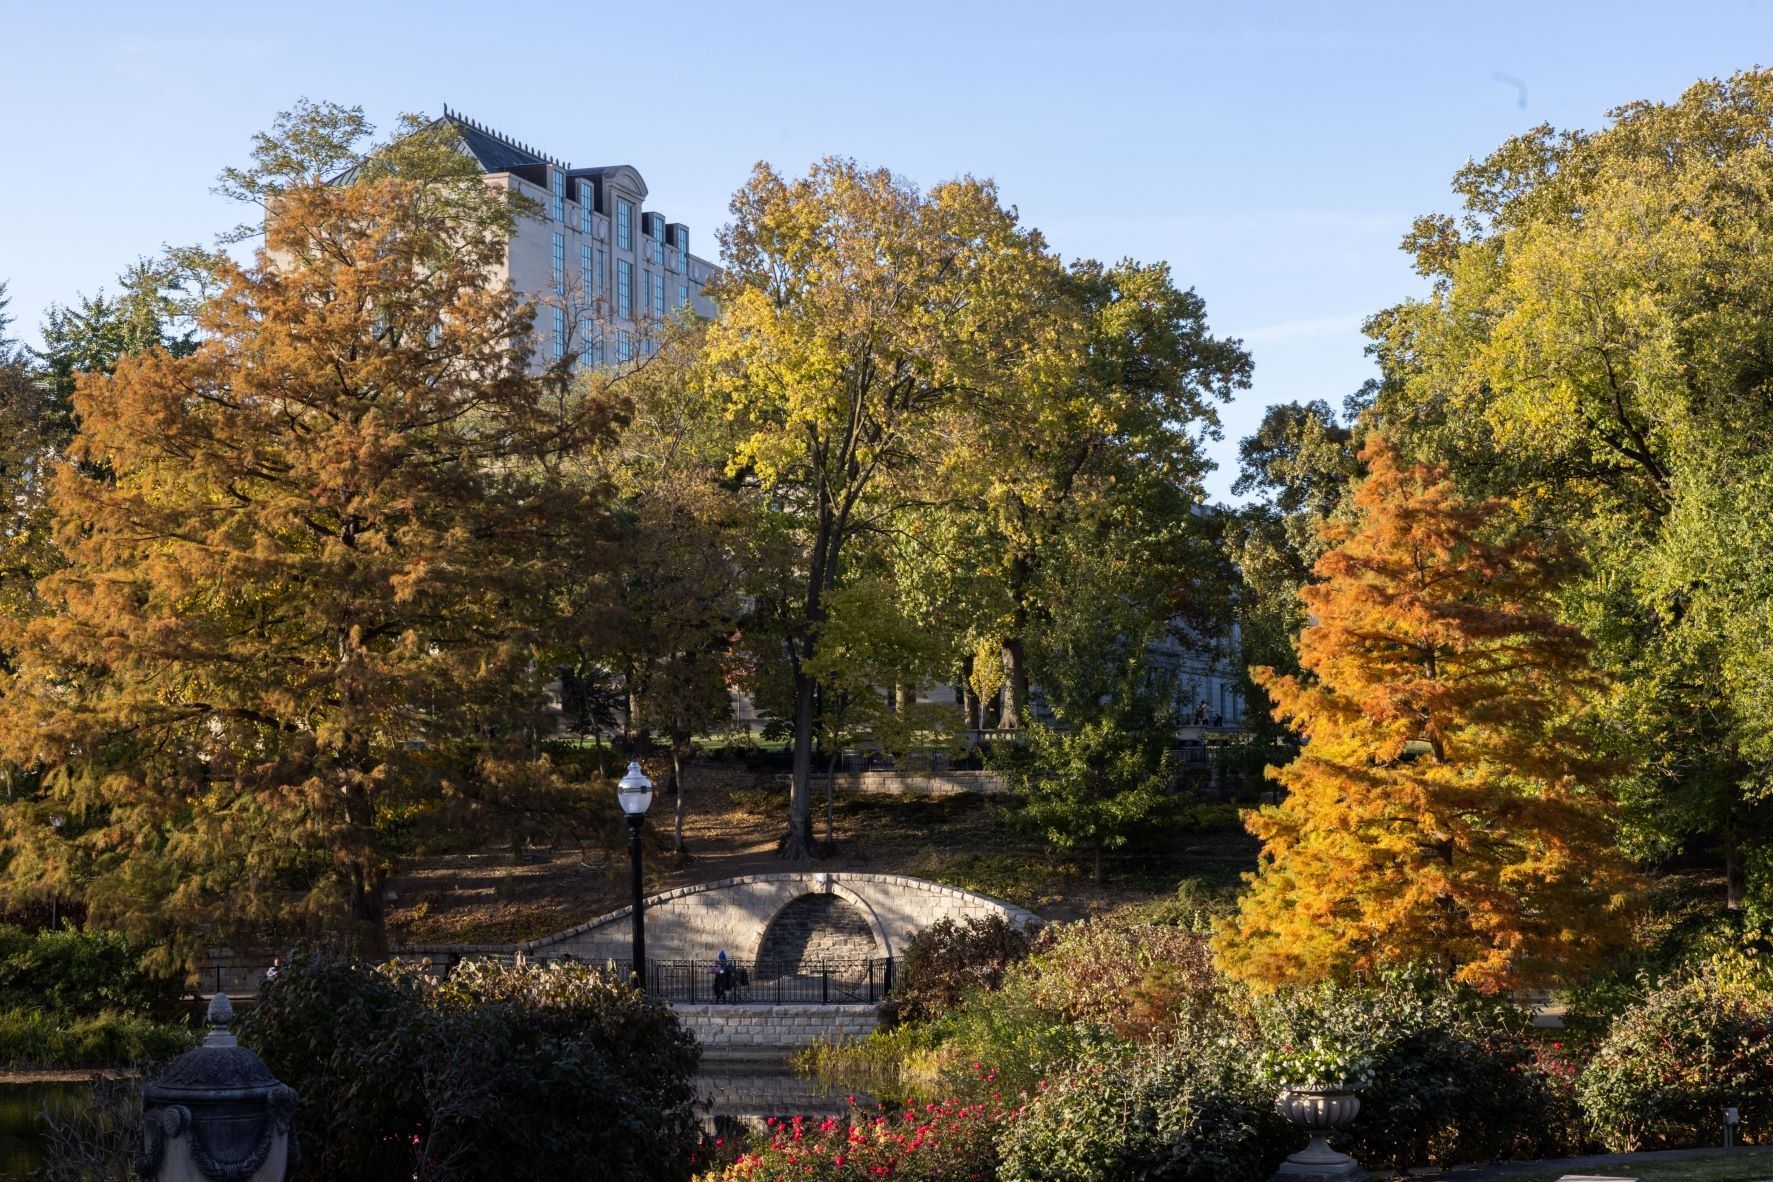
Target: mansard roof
{"x":495,"y":151}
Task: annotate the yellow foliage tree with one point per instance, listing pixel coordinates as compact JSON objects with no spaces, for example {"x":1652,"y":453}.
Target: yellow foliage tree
{"x":1446,"y":806}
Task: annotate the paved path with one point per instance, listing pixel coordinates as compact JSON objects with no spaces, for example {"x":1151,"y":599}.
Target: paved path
{"x":1619,"y":1163}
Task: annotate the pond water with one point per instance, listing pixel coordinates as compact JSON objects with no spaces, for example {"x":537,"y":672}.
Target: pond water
{"x":21,"y":1117}
{"x":734,"y":1095}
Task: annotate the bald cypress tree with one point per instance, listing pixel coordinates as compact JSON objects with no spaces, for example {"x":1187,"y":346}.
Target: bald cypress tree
{"x":308,"y":569}
{"x":1447,"y":806}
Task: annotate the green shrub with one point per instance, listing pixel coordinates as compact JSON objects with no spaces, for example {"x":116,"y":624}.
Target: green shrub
{"x":947,"y":960}
{"x":1015,"y":878}
{"x":1188,"y":1110}
{"x":492,"y":1073}
{"x":38,"y":1038}
{"x":1451,"y":1075}
{"x":1671,"y":1064}
{"x":81,"y":972}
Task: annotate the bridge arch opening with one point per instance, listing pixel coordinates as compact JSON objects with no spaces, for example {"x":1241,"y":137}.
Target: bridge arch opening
{"x":815,"y":929}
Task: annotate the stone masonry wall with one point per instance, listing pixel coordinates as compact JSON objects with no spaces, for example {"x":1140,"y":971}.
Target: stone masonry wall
{"x":774,"y":1028}
{"x":815,"y":930}
{"x":694,"y":923}
{"x":896,"y":783}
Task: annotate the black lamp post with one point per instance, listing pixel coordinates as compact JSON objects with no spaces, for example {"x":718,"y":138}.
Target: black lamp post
{"x":635,"y":792}
{"x":55,"y":899}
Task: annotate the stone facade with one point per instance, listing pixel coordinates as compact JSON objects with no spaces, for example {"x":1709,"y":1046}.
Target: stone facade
{"x":733,"y":915}
{"x":909,"y":783}
{"x":767,"y":1028}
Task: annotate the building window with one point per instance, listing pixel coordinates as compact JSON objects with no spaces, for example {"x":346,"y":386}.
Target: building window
{"x":588,"y":204}
{"x":599,"y":268}
{"x":587,"y":337}
{"x":587,"y":284}
{"x":682,"y":294}
{"x":625,"y":289}
{"x":557,"y":193}
{"x":625,"y":225}
{"x":624,"y":346}
{"x":559,"y":264}
{"x":657,"y":283}
{"x":559,"y":333}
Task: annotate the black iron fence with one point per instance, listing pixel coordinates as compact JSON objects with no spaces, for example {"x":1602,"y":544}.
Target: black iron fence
{"x":763,"y":982}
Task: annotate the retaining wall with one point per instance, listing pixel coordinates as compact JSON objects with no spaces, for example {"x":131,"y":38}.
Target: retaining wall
{"x":893,"y":783}
{"x":774,"y":1028}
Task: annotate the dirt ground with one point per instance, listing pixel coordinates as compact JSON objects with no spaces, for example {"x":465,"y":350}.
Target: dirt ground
{"x":733,"y":821}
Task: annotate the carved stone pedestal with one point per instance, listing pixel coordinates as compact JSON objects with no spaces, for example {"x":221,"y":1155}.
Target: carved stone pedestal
{"x":1318,"y":1112}
{"x":218,"y":1114}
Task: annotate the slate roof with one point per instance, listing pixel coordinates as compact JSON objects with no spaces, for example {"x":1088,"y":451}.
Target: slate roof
{"x":495,"y":152}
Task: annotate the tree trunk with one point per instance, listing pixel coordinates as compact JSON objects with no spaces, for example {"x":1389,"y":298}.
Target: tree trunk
{"x":797,"y":846}
{"x":369,"y":911}
{"x":1733,"y":885}
{"x":1096,"y":870}
{"x":677,"y":786}
{"x":1015,"y":684}
{"x":969,"y":697}
{"x":830,"y":799}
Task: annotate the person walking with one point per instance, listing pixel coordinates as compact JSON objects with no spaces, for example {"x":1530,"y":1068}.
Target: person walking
{"x":723,"y":976}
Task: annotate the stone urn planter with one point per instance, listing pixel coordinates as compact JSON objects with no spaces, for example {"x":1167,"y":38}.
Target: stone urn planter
{"x":1319,"y":1111}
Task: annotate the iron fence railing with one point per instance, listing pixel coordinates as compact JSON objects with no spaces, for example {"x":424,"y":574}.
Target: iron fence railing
{"x":852,"y":982}
{"x":768,"y":982}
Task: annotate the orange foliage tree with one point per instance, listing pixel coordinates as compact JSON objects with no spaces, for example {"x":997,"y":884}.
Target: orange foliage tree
{"x":310,"y":571}
{"x":1447,"y":806}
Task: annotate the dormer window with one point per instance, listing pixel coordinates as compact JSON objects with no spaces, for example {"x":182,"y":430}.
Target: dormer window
{"x":557,"y":193}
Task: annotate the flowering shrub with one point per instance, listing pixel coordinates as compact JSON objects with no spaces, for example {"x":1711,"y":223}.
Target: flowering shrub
{"x":949,"y":1142}
{"x":1317,"y":1062}
{"x":1671,"y":1064}
{"x":1190,"y":1110}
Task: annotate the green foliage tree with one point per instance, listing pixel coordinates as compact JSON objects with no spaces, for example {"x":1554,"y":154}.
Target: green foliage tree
{"x":1094,"y":458}
{"x":1103,"y":776}
{"x":1593,"y":350}
{"x":859,"y":317}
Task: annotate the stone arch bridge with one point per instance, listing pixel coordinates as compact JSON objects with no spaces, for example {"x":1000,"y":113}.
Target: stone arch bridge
{"x":796,"y":917}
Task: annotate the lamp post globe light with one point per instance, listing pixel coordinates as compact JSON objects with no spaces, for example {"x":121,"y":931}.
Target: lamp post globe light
{"x":635,"y":792}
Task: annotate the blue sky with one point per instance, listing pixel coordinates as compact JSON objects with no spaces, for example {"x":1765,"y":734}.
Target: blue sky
{"x":1272,"y":153}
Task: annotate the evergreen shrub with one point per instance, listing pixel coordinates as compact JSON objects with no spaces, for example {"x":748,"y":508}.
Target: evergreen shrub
{"x":489,"y":1074}
{"x":1672,"y":1063}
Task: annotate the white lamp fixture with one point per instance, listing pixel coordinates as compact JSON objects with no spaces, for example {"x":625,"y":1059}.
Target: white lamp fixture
{"x":635,"y":791}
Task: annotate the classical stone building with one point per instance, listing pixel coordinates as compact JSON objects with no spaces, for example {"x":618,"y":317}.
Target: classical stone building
{"x":603,"y":269}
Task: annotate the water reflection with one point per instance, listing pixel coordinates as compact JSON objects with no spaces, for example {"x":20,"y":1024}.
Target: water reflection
{"x":21,"y":1122}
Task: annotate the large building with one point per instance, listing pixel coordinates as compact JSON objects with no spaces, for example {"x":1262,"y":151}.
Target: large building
{"x":603,"y":269}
